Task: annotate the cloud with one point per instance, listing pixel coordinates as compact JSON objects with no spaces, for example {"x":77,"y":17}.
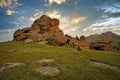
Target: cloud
{"x":4,"y":3}
{"x":71,"y":24}
{"x":22,"y":17}
{"x":110,"y":8}
{"x":10,"y":12}
{"x":110,"y":24}
{"x":36,"y":15}
{"x":6,"y":35}
{"x":76,"y":3}
{"x":54,"y":14}
{"x":32,"y":19}
{"x":71,"y":28}
{"x":77,"y":20}
{"x":9,"y":3}
{"x":55,"y":1}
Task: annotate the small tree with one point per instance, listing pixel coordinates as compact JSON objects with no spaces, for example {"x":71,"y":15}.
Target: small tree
{"x":77,"y":38}
{"x":79,"y":49}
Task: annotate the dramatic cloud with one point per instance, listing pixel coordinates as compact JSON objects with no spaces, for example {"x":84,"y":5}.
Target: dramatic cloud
{"x":10,"y":12}
{"x":9,"y":3}
{"x":56,"y":1}
{"x":37,"y":13}
{"x":5,"y":3}
{"x":32,"y":19}
{"x":110,"y":24}
{"x":70,"y":24}
{"x":110,"y":8}
{"x":77,"y":20}
{"x":54,"y":14}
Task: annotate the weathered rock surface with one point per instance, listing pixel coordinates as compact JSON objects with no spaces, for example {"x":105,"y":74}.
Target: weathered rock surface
{"x":11,"y":65}
{"x":45,"y":61}
{"x":57,"y":38}
{"x":28,"y":40}
{"x":105,"y":66}
{"x":105,"y":45}
{"x":48,"y":71}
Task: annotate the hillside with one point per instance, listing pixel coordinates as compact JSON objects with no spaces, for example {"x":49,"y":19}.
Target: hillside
{"x":103,"y":36}
{"x":72,"y":64}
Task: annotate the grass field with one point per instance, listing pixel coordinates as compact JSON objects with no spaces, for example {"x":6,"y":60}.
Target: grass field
{"x":73,"y":64}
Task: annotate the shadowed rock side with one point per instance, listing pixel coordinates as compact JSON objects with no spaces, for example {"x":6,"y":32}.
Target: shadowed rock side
{"x":46,"y":29}
{"x":104,"y":45}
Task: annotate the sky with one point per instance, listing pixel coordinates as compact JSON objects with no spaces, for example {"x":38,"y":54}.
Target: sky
{"x":77,"y":17}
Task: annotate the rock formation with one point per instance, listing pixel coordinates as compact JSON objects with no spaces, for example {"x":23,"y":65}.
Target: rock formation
{"x":83,"y":42}
{"x":105,"y":45}
{"x":46,"y":29}
{"x":42,"y":29}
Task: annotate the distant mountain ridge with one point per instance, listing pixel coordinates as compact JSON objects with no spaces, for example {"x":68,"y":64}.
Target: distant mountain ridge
{"x":103,"y":36}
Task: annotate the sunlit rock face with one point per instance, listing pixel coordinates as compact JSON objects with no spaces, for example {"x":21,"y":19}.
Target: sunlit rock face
{"x":83,"y":42}
{"x":42,"y":29}
{"x":47,"y":29}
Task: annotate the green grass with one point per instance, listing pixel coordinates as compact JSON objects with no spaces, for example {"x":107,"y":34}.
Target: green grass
{"x":73,"y":64}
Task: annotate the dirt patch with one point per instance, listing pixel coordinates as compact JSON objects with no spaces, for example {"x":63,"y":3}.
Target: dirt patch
{"x":105,"y":66}
{"x":43,"y":42}
{"x":11,"y":51}
{"x":10,"y":65}
{"x":27,"y":50}
{"x":48,"y":71}
{"x":45,"y":61}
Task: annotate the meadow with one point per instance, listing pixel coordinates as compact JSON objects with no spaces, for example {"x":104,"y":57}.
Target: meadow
{"x":73,"y":64}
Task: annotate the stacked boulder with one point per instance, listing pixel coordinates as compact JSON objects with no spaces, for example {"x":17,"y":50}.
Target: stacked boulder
{"x":43,"y":29}
{"x":46,"y":29}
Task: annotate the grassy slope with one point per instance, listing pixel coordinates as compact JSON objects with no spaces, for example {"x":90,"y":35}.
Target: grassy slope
{"x":73,"y":65}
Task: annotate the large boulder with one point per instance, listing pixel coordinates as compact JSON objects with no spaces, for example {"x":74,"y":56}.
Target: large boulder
{"x":83,"y":42}
{"x":41,"y":29}
{"x":43,"y":21}
{"x":54,"y":22}
{"x":57,"y":38}
{"x":104,"y":45}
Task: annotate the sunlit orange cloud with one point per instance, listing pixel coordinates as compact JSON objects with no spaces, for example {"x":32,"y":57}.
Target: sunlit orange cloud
{"x":77,"y":20}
